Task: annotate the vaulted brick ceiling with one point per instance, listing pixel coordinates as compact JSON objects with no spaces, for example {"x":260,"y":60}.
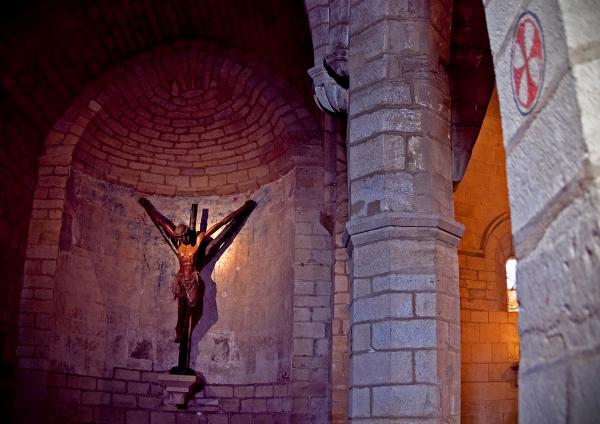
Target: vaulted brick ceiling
{"x":191,"y":117}
{"x":50,"y":50}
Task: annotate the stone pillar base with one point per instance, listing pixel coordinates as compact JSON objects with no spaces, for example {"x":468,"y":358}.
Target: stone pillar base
{"x":405,"y":362}
{"x":179,"y":389}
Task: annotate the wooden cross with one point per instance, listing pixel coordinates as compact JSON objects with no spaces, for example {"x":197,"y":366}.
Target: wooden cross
{"x":194,"y":251}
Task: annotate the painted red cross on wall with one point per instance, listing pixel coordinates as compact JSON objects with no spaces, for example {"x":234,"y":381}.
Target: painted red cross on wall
{"x":527,"y":62}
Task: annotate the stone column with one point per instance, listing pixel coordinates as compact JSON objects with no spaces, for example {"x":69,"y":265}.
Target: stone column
{"x":553,"y":163}
{"x":405,"y":306}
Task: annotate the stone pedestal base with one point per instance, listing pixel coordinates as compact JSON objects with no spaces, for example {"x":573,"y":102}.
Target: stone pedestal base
{"x":179,"y":389}
{"x":405,"y":362}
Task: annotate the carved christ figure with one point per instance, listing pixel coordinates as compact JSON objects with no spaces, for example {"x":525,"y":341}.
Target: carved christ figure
{"x":194,"y":251}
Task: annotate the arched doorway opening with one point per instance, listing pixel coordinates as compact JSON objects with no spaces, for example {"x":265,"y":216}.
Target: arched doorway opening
{"x":489,"y":336}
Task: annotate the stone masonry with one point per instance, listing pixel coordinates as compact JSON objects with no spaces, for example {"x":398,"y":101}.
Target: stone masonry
{"x":83,"y":141}
{"x":404,"y":282}
{"x":387,"y":316}
{"x":489,"y":338}
{"x":552,"y":162}
{"x":131,"y":396}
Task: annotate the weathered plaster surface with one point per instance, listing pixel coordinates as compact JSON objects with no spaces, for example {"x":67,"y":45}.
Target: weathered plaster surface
{"x":114,"y":306}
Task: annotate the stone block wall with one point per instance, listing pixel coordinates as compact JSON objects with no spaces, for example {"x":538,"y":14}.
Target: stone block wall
{"x":56,"y":332}
{"x":489,"y":351}
{"x":132,"y":396}
{"x":313,"y":288}
{"x":580,"y":20}
{"x":489,"y":336}
{"x":404,"y":361}
{"x":50,"y":52}
{"x":551,"y":155}
{"x":300,"y":385}
{"x":482,"y":282}
{"x":113,"y":286}
{"x":340,"y":359}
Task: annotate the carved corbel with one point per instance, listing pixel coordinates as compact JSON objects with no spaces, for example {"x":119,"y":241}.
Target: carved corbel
{"x":330,"y":82}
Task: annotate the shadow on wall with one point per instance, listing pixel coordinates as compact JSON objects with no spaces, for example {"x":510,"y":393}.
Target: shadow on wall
{"x":114,"y":304}
{"x":206,"y":313}
{"x":208,"y":245}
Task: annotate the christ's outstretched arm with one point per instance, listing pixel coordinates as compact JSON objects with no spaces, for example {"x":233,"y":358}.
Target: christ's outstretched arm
{"x":166,"y":227}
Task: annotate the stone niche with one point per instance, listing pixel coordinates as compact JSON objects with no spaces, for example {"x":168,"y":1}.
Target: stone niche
{"x":114,"y":306}
{"x":188,"y":123}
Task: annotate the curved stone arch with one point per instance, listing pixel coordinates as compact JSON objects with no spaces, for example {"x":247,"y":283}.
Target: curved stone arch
{"x":44,"y":229}
{"x":226,"y":126}
{"x":60,"y":153}
{"x":529,"y":196}
{"x":492,"y":229}
{"x":497,"y":247}
{"x":318,"y":18}
{"x":550,"y":156}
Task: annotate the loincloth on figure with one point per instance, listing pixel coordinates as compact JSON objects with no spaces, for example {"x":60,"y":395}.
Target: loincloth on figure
{"x":186,"y":287}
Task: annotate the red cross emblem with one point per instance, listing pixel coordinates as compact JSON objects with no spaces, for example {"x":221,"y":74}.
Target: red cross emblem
{"x":527,"y":62}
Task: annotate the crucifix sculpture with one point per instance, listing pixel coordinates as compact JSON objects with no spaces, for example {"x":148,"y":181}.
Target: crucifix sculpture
{"x":194,"y":250}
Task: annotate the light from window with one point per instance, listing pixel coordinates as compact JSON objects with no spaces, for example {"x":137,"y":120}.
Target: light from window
{"x":511,"y":285}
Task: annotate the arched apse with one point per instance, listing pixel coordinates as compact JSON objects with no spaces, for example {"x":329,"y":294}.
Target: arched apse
{"x":52,"y":50}
{"x":146,"y":129}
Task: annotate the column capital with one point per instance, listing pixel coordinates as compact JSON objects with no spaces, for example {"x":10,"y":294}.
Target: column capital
{"x":410,"y":225}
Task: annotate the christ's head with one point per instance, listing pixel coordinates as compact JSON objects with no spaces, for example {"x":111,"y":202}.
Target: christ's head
{"x":183,"y":234}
